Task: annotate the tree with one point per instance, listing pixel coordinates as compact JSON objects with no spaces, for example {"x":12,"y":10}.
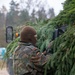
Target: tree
{"x":26,"y":4}
{"x":29,"y":4}
{"x":1,"y":20}
{"x":37,"y":9}
{"x":24,"y":16}
{"x":67,"y":15}
{"x":33,"y":18}
{"x":51,"y":13}
{"x":12,"y":17}
{"x":3,"y":12}
{"x":41,"y":14}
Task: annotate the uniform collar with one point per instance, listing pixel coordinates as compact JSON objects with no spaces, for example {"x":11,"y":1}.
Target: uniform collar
{"x":26,"y":44}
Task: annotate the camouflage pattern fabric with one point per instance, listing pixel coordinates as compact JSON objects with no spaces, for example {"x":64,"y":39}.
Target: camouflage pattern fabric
{"x":21,"y":60}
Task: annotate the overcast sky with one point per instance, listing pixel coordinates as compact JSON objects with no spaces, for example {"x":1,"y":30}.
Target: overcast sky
{"x":56,"y":4}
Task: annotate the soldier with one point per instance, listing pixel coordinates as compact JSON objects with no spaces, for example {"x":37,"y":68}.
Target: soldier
{"x":27,"y":50}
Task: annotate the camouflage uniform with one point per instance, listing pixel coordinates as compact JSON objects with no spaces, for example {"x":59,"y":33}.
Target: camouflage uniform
{"x":22,"y":64}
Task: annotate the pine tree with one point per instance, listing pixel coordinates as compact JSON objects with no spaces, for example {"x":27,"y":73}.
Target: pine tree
{"x":24,"y":16}
{"x":12,"y":17}
{"x":67,"y":15}
{"x":41,"y":14}
{"x":51,"y":13}
{"x":33,"y":18}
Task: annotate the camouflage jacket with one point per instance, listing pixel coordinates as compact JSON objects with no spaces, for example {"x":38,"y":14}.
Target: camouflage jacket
{"x":21,"y":60}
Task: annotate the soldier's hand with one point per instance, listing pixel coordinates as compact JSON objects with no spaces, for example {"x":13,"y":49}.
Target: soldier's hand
{"x":50,"y":44}
{"x":36,"y":59}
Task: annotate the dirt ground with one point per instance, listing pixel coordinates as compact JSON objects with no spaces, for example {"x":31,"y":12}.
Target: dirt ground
{"x":3,"y":71}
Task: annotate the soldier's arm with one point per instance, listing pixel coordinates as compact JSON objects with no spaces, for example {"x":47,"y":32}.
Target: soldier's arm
{"x":40,"y":59}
